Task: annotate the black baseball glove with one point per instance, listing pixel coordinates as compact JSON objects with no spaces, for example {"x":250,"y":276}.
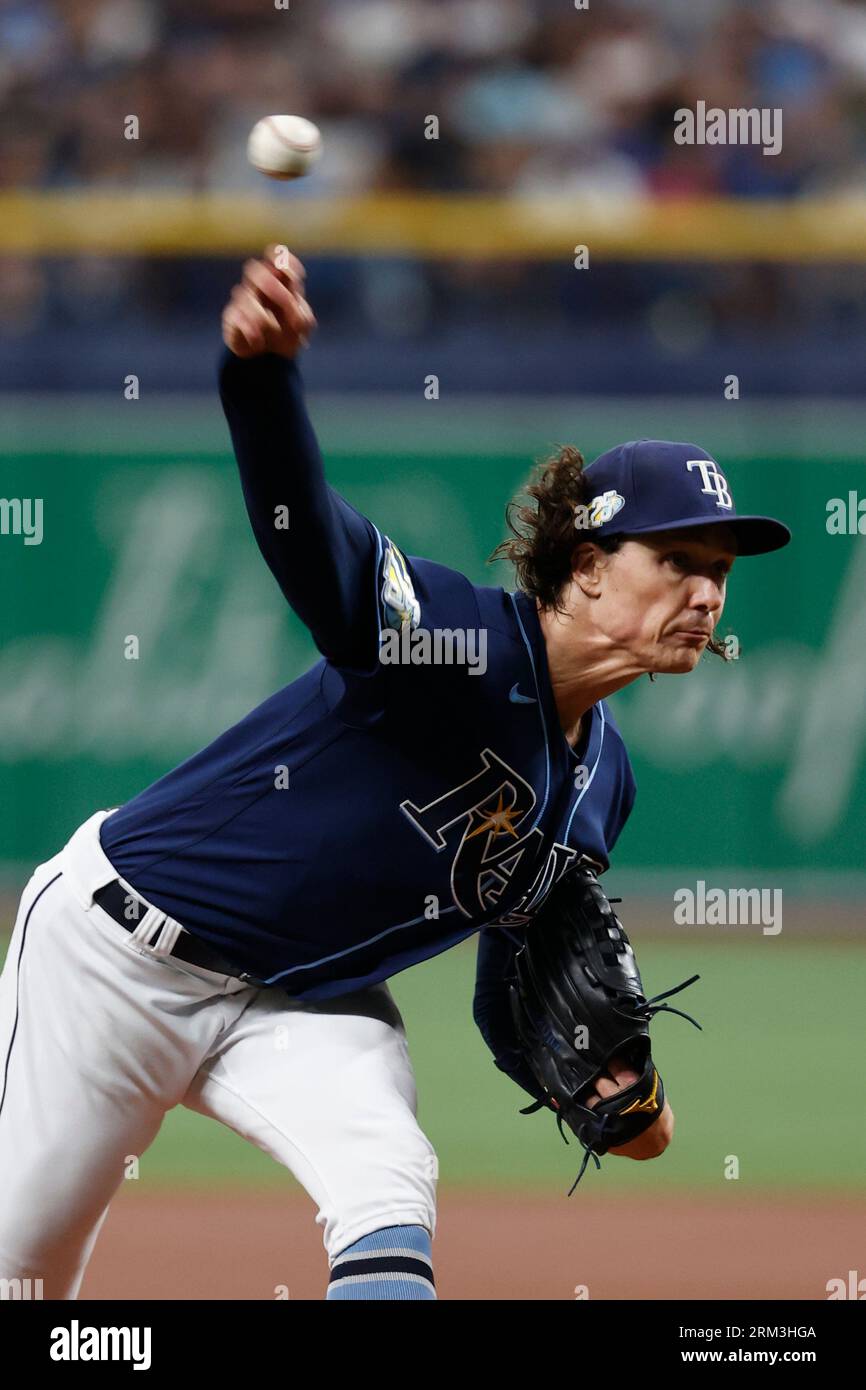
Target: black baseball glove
{"x":577,"y":1001}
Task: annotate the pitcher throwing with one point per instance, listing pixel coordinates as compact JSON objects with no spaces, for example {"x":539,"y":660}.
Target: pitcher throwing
{"x":223,"y":940}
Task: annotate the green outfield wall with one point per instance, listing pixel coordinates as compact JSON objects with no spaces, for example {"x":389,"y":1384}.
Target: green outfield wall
{"x":753,"y":767}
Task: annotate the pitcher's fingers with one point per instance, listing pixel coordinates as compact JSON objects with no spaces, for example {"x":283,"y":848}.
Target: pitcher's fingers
{"x":289,"y":309}
{"x":267,"y":286}
{"x":256,"y":316}
{"x":255,"y":309}
{"x":300,"y":318}
{"x":241,"y":331}
{"x":605,"y":1086}
{"x":309,"y":318}
{"x":287,"y":271}
{"x":621,"y":1072}
{"x":289,"y":266}
{"x":595,"y":1093}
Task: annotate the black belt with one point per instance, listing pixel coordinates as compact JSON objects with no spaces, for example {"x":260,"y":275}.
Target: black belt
{"x":127,"y":911}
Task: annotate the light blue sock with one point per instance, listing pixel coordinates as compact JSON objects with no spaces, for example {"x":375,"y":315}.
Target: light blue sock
{"x":395,"y":1263}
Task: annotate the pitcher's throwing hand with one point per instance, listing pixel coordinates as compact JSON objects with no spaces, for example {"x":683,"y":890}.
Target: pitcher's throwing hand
{"x":267,"y":311}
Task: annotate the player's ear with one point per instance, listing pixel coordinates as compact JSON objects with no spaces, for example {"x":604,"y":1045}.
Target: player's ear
{"x":587,"y":563}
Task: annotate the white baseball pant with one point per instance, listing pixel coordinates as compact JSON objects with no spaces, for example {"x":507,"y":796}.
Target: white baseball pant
{"x":100,"y":1035}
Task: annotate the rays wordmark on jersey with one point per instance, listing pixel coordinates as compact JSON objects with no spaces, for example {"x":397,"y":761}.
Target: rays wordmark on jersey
{"x":498,"y":846}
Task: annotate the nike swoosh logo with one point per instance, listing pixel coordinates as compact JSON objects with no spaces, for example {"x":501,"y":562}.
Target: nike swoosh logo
{"x":516,"y":698}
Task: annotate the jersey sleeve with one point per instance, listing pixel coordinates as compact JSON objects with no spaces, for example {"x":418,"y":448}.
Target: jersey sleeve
{"x":325,"y":556}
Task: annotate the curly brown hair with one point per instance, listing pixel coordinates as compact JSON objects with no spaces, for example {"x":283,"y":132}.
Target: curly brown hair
{"x":543,"y":541}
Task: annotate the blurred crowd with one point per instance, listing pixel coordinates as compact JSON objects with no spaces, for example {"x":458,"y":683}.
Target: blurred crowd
{"x":532,"y":96}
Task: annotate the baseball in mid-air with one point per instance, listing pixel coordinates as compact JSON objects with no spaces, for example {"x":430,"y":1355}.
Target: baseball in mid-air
{"x":284,"y":147}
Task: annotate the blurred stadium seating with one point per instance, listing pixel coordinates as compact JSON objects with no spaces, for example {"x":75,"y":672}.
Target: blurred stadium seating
{"x":563,"y":118}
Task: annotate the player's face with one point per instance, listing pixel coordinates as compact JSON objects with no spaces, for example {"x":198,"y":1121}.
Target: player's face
{"x":663,"y":595}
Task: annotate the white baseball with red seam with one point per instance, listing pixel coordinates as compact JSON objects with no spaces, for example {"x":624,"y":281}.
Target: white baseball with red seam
{"x":284,"y":147}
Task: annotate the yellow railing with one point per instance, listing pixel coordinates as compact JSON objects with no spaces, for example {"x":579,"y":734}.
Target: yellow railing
{"x":432,"y":226}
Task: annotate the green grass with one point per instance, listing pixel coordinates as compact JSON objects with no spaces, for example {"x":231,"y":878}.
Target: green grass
{"x":774,"y":1079}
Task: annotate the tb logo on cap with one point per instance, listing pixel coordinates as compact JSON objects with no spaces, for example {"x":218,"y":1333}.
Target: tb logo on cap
{"x":714,"y":483}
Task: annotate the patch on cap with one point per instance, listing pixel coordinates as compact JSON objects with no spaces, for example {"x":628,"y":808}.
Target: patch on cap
{"x":599,"y":511}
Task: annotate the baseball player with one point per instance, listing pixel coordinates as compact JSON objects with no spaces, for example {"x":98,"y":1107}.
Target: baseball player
{"x":223,"y":940}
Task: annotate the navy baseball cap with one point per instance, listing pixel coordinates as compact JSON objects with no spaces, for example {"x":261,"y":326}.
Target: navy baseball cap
{"x":653,"y":485}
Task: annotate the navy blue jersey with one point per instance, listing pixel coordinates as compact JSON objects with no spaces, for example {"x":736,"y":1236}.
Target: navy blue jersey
{"x":412,"y":787}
